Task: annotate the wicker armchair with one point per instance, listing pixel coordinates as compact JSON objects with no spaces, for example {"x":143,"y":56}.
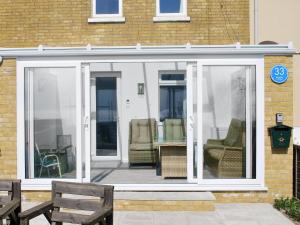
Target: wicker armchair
{"x":142,"y":133}
{"x":225,"y":157}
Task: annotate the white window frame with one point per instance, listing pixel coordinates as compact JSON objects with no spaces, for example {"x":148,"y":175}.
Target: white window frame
{"x":107,"y":18}
{"x":168,"y":83}
{"x":44,"y":183}
{"x":260,"y":144}
{"x":181,"y":16}
{"x":257,"y":184}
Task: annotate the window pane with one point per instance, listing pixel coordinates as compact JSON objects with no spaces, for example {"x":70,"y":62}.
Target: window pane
{"x":172,"y":77}
{"x":106,"y":116}
{"x":107,"y":6}
{"x":172,"y":102}
{"x":229,"y":122}
{"x":50,"y":123}
{"x":170,"y":6}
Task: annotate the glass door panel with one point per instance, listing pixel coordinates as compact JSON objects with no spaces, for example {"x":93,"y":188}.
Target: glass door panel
{"x":104,"y":117}
{"x":228,"y":122}
{"x":50,"y":123}
{"x":192,"y":131}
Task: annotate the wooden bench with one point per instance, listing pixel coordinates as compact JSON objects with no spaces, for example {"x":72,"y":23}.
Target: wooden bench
{"x":10,"y":204}
{"x":101,"y":205}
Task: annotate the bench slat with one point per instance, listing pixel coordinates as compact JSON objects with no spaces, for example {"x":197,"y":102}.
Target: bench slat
{"x":68,"y":217}
{"x":81,"y":204}
{"x":78,"y":189}
{"x":5,"y":185}
{"x":4,"y":200}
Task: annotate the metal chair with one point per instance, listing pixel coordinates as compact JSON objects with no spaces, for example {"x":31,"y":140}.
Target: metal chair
{"x":47,"y":161}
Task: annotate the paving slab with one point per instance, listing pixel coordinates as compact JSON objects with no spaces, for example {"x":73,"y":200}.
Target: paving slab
{"x":225,"y":214}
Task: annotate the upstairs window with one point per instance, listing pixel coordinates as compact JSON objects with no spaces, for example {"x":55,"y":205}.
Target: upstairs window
{"x":170,"y":6}
{"x":104,"y":7}
{"x":107,"y":11}
{"x":171,"y":10}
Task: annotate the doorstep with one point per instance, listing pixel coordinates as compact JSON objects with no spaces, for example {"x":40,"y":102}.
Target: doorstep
{"x":163,"y":201}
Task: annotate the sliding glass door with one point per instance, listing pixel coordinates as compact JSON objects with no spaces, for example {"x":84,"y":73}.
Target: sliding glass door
{"x":52,"y":122}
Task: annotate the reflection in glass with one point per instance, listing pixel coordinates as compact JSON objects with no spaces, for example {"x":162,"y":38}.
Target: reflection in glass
{"x":172,"y":102}
{"x":50,"y":123}
{"x":229,"y":121}
{"x":170,"y":6}
{"x":106,"y":116}
{"x":107,"y":6}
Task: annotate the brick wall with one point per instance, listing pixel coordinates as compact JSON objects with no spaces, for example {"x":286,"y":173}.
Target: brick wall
{"x":278,"y":163}
{"x":64,"y":23}
{"x":8,"y":145}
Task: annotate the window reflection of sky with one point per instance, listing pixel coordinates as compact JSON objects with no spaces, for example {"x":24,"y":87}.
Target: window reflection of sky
{"x":107,"y":6}
{"x":170,"y":6}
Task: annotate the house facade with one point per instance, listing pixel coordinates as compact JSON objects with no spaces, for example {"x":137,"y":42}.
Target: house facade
{"x":145,"y":95}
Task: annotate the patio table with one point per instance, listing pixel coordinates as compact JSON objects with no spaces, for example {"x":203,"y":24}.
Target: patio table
{"x":172,"y":160}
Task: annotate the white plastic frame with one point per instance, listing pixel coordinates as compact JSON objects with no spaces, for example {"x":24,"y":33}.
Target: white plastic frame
{"x":32,"y":183}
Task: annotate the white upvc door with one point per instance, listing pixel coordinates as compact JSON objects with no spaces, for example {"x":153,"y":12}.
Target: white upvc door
{"x":192,"y":126}
{"x":86,"y":123}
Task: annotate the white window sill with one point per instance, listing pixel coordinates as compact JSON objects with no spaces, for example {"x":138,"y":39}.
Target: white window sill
{"x":171,"y":18}
{"x":107,"y":20}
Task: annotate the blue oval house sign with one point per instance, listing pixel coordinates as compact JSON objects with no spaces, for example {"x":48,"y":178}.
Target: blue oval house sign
{"x":279,"y":74}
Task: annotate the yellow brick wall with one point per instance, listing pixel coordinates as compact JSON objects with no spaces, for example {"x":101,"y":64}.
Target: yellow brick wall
{"x":278,"y":164}
{"x":8,"y":145}
{"x":65,"y":23}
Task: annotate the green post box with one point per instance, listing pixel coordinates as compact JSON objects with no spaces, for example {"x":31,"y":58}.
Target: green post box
{"x":280,"y":136}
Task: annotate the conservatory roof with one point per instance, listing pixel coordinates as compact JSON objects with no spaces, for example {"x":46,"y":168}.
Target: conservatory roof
{"x":137,"y":50}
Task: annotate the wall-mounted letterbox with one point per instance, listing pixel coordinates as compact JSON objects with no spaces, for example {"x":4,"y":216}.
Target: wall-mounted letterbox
{"x":280,"y":136}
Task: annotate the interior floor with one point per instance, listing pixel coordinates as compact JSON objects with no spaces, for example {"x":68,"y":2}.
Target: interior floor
{"x":117,"y":172}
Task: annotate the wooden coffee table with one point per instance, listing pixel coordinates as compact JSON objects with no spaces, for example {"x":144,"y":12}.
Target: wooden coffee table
{"x":172,"y":159}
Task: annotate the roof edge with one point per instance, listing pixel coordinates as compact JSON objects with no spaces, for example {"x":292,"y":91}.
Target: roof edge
{"x":188,"y":49}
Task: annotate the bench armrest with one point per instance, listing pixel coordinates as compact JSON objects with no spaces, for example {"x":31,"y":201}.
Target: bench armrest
{"x":97,"y":216}
{"x":9,"y":207}
{"x":37,"y":210}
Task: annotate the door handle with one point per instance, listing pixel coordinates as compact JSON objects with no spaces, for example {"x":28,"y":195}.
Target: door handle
{"x":86,"y":122}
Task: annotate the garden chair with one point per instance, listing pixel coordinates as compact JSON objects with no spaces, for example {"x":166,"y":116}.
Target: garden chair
{"x":10,"y":204}
{"x":64,"y":209}
{"x":47,"y":161}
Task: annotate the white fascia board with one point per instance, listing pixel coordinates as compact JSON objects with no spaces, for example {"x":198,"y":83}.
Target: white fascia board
{"x":139,"y":50}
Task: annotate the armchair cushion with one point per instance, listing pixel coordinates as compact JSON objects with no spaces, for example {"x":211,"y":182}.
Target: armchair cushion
{"x":174,"y":130}
{"x":143,"y":131}
{"x":216,"y":154}
{"x":142,"y":147}
{"x":215,"y":142}
{"x":234,"y":135}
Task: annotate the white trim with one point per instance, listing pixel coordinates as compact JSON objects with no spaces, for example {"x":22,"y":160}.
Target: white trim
{"x":115,"y":19}
{"x":92,"y":90}
{"x":189,"y":122}
{"x":21,"y":65}
{"x":214,"y":184}
{"x":87,"y":122}
{"x":165,"y":187}
{"x":200,"y":159}
{"x":171,"y":18}
{"x":260,"y":145}
{"x":249,"y":153}
{"x":172,"y":52}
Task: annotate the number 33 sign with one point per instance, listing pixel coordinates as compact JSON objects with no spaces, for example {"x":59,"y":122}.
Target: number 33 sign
{"x":279,"y":74}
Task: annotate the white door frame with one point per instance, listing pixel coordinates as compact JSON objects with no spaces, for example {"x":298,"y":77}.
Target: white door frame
{"x":39,"y":183}
{"x":90,"y":89}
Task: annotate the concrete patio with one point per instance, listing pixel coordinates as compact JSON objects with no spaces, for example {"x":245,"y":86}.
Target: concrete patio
{"x":225,"y":214}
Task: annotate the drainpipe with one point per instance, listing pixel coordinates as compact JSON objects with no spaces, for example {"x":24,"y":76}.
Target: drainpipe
{"x":256,"y":16}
